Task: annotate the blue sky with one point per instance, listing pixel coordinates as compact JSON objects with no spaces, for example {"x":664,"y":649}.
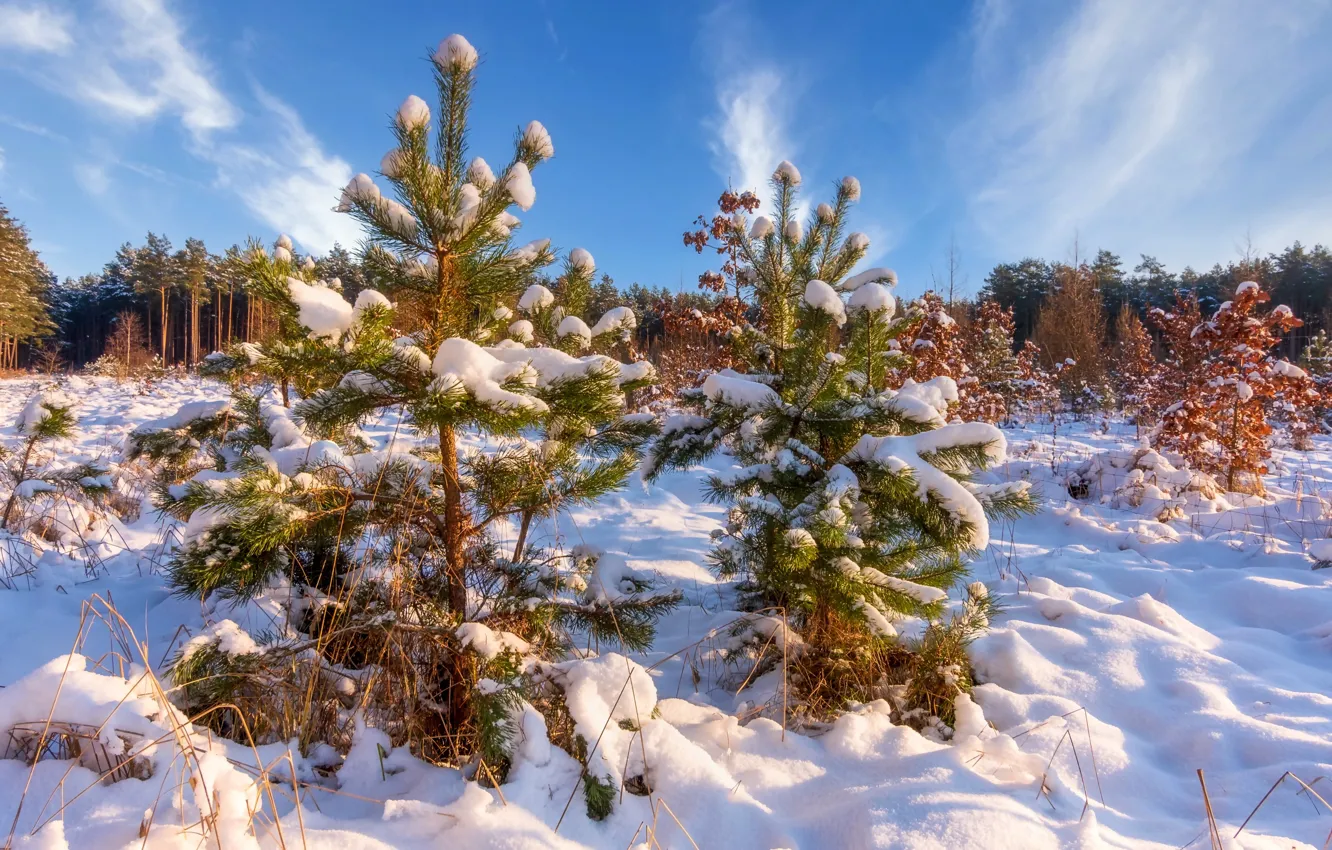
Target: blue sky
{"x":1183,"y":129}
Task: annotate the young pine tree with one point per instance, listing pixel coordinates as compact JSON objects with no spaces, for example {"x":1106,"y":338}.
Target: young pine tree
{"x":31,"y":469}
{"x":1070,"y":329}
{"x":992,"y":365}
{"x":852,"y":507}
{"x":24,"y":297}
{"x":1316,"y":360}
{"x":397,"y":553}
{"x":1040,"y":393}
{"x":1134,"y":368}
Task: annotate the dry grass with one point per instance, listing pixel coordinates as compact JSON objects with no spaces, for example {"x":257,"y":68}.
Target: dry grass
{"x":80,"y":744}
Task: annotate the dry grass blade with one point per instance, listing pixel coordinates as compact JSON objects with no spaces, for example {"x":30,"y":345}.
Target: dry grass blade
{"x":493,"y":781}
{"x":296,"y":792}
{"x":1305,"y":788}
{"x":1045,"y":788}
{"x":1214,"y":834}
{"x":663,"y":804}
{"x":99,"y":609}
{"x":1280,"y":779}
{"x":41,"y":742}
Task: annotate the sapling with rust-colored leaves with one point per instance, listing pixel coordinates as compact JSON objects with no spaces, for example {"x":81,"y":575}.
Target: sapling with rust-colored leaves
{"x":1222,"y":381}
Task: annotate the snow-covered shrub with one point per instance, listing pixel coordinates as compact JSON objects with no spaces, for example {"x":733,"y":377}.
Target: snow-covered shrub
{"x":1145,"y":481}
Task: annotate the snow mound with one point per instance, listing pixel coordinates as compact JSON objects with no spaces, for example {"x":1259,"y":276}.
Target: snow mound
{"x":519,"y":183}
{"x":1146,"y":481}
{"x":536,"y":297}
{"x":413,"y":114}
{"x":786,"y":173}
{"x":456,"y":53}
{"x":38,"y":408}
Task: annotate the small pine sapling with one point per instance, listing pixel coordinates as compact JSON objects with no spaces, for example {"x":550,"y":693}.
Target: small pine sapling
{"x":1040,"y":394}
{"x":1134,"y":368}
{"x":390,"y":561}
{"x":30,"y":469}
{"x":996,"y":384}
{"x":1316,"y":361}
{"x":852,"y":509}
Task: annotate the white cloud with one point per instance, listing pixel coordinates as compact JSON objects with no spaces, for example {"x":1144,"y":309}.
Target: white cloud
{"x":133,"y":60}
{"x":163,"y":73}
{"x":290,"y":183}
{"x":34,"y":129}
{"x":1145,"y":126}
{"x":751,"y":129}
{"x":34,"y":27}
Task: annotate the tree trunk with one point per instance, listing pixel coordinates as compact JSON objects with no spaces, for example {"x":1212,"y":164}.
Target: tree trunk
{"x":23,"y":474}
{"x":194,"y":327}
{"x":522,"y":536}
{"x":460,"y":685}
{"x":164,"y":326}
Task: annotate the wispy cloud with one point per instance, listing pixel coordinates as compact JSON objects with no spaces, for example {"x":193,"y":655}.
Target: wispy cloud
{"x":149,"y":70}
{"x":94,"y":177}
{"x":750,"y":131}
{"x":290,"y":183}
{"x":134,"y":61}
{"x":34,"y":129}
{"x":1140,"y":124}
{"x":755,"y":122}
{"x":34,"y":27}
{"x":750,"y":128}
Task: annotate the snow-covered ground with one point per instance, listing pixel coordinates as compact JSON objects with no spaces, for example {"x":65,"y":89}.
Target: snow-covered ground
{"x":1131,"y":653}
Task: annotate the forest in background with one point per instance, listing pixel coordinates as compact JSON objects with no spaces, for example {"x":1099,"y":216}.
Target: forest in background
{"x":155,"y":300}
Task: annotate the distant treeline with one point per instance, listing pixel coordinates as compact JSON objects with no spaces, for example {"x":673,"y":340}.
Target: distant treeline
{"x":1299,"y":277}
{"x":189,"y":301}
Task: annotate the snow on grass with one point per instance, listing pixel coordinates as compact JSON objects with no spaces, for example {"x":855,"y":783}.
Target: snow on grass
{"x":1200,"y":641}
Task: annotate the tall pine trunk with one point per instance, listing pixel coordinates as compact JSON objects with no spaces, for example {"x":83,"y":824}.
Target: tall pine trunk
{"x":455,"y":531}
{"x":164,"y":325}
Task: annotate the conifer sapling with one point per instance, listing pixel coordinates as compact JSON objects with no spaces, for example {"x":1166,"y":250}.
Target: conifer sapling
{"x":852,"y":507}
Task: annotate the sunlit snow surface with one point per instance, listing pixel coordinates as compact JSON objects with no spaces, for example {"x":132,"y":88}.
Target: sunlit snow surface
{"x":1204,"y":642}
